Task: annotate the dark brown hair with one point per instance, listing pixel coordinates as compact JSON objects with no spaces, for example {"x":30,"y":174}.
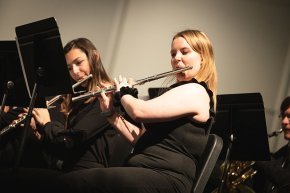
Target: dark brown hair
{"x":96,"y":67}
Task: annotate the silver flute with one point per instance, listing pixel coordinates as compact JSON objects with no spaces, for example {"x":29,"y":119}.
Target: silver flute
{"x":20,"y":120}
{"x":137,"y":82}
{"x":161,"y":75}
{"x":94,"y":93}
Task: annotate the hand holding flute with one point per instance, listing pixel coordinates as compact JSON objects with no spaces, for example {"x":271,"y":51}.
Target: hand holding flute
{"x":108,"y":101}
{"x":133,"y":84}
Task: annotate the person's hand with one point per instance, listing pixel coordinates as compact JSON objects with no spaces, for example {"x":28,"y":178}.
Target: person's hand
{"x":124,"y":87}
{"x":123,"y":82}
{"x":106,"y":100}
{"x":41,"y":116}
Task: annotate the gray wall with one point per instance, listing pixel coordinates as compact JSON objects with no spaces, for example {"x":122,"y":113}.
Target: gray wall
{"x":251,"y":39}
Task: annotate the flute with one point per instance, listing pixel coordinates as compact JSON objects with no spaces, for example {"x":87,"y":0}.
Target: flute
{"x":94,"y":93}
{"x":137,"y":82}
{"x":162,"y":75}
{"x":23,"y":118}
{"x":49,"y":103}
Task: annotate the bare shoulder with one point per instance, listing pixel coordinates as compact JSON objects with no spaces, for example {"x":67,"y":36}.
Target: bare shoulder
{"x":192,"y":88}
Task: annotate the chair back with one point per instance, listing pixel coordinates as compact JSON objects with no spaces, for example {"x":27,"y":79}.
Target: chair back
{"x":208,"y":162}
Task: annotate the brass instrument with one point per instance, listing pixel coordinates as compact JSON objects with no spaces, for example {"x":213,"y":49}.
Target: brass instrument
{"x":49,"y":103}
{"x":137,"y":82}
{"x":238,"y":172}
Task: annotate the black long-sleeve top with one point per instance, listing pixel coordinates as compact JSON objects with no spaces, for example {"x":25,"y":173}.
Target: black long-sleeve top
{"x":87,"y":141}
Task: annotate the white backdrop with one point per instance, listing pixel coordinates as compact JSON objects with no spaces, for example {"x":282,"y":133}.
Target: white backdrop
{"x":251,"y":39}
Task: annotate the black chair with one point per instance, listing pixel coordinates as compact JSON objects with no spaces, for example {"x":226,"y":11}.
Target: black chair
{"x":208,"y":162}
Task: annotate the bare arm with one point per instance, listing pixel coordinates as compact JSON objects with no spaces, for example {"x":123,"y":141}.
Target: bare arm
{"x":189,"y":100}
{"x":130,"y":131}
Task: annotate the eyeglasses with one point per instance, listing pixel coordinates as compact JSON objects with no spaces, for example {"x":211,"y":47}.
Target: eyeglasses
{"x":282,"y":116}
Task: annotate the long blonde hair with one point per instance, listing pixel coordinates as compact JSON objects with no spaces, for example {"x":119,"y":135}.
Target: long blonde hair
{"x":201,"y":44}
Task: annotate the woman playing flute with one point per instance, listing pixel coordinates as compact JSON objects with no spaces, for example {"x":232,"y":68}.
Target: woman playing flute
{"x":174,"y":132}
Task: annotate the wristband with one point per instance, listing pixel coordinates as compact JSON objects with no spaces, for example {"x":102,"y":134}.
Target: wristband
{"x":127,"y":90}
{"x":123,"y":91}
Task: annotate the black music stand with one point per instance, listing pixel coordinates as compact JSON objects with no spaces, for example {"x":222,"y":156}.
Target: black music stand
{"x":43,"y":63}
{"x":240,"y":121}
{"x":12,"y":85}
{"x":241,"y":117}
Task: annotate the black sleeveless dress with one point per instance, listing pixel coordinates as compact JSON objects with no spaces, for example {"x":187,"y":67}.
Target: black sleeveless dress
{"x":172,"y":147}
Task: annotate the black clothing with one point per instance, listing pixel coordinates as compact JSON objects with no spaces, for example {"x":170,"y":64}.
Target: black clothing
{"x":32,"y":180}
{"x":164,"y":160}
{"x":277,"y":171}
{"x":87,"y":141}
{"x":10,"y":142}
